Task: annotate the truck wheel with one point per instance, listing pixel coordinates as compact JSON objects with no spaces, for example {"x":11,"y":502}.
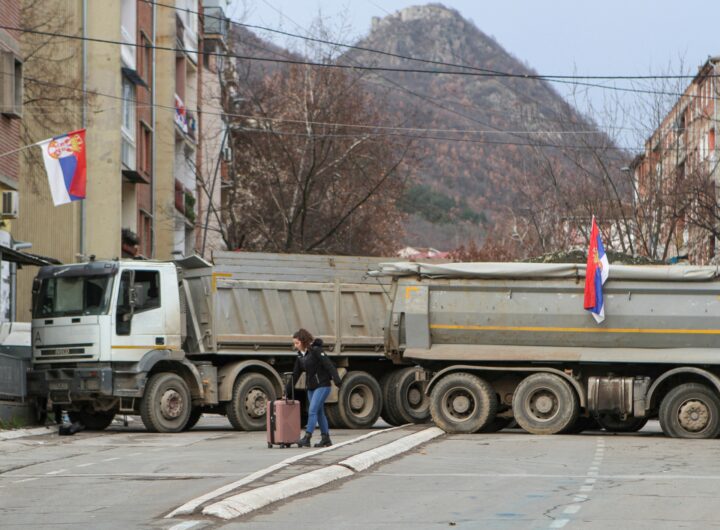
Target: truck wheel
{"x":409,"y":394}
{"x":390,"y":409}
{"x":545,"y":404}
{"x":359,"y":400}
{"x":691,"y":410}
{"x":462,"y":403}
{"x":614,"y":423}
{"x":166,"y":405}
{"x":251,"y":394}
{"x":195,"y":414}
{"x":93,"y":421}
{"x":333,"y":415}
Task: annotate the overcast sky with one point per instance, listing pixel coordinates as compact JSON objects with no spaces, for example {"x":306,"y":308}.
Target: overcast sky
{"x":609,"y":37}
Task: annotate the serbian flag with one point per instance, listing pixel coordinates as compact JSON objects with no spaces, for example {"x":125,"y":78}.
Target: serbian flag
{"x":596,"y":272}
{"x":64,"y":158}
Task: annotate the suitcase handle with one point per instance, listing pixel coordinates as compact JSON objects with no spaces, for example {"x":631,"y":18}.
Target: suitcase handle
{"x":288,"y":378}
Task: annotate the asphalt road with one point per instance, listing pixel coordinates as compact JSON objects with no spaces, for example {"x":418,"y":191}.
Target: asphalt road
{"x":127,"y":478}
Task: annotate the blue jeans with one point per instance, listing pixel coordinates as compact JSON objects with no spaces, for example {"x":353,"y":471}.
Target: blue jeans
{"x":316,"y":409}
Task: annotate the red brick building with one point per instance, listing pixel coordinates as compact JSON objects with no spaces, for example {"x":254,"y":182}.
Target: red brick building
{"x":10,"y":93}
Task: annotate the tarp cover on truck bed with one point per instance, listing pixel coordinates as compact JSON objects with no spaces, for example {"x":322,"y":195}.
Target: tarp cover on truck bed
{"x":544,"y":270}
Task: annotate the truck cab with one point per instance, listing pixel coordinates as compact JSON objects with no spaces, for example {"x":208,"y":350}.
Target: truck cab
{"x":97,"y":328}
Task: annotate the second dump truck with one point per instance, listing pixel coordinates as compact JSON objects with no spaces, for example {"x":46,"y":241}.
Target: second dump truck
{"x":511,"y":340}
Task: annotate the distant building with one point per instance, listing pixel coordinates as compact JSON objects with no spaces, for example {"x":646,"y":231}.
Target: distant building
{"x":680,"y":154}
{"x":413,"y":253}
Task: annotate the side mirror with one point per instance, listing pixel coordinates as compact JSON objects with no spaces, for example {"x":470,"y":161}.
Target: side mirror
{"x":125,"y":313}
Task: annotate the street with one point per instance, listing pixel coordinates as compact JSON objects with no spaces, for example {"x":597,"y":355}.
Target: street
{"x":127,"y":478}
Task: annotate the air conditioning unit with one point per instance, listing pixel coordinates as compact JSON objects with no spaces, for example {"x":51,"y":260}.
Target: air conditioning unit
{"x":10,"y":205}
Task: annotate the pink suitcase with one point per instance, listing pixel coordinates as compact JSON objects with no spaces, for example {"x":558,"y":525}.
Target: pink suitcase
{"x":283,"y":422}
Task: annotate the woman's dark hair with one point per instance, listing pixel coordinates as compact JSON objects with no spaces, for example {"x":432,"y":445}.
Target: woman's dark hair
{"x":304,"y":337}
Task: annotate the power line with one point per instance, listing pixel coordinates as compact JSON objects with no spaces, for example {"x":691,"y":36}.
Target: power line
{"x":544,"y":77}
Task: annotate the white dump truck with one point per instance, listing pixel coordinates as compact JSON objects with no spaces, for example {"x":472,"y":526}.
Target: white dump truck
{"x":511,"y":340}
{"x":171,"y":340}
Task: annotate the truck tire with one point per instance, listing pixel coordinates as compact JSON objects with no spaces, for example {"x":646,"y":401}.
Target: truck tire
{"x":691,"y":410}
{"x":333,"y":415}
{"x":409,"y":396}
{"x":92,"y":421}
{"x":390,"y":409}
{"x":250,"y":396}
{"x":359,"y":400}
{"x":613,"y":423}
{"x":462,"y":403}
{"x":195,"y":414}
{"x":545,"y":404}
{"x":166,"y":405}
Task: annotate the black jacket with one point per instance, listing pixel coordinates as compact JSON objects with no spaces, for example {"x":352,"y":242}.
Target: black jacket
{"x":318,"y":368}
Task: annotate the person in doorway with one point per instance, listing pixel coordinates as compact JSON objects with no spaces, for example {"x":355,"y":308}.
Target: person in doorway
{"x":319,"y":370}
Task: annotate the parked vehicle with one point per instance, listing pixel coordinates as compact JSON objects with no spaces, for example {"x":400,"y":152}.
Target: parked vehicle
{"x":171,"y":340}
{"x":503,"y":341}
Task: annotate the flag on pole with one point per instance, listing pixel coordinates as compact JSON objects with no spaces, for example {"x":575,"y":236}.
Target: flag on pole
{"x":64,"y":158}
{"x":596,"y":272}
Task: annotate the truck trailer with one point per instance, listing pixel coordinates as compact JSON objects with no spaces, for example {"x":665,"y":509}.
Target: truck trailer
{"x":171,"y":340}
{"x":503,"y":341}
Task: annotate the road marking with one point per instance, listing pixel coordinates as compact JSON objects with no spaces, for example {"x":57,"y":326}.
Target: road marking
{"x":86,"y":465}
{"x":56,"y":472}
{"x":573,"y":508}
{"x":590,"y":480}
{"x":135,"y":454}
{"x":586,"y":488}
{"x":111,"y":459}
{"x":559,"y":523}
{"x":580,"y":498}
{"x":190,"y":506}
{"x":24,"y":480}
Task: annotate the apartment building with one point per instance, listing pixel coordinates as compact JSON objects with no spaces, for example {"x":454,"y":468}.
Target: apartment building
{"x":215,"y":153}
{"x":677,"y":175}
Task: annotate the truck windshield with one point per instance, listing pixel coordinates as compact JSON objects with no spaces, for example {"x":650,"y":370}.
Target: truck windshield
{"x":72,"y":296}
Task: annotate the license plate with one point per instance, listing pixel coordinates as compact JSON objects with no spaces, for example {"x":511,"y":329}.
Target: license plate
{"x":62,"y":385}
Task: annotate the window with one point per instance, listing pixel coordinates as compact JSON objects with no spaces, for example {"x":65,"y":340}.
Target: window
{"x":72,"y":296}
{"x":11,"y":85}
{"x":128,"y":124}
{"x":147,"y":290}
{"x":145,"y":150}
{"x":145,"y":59}
{"x":128,"y":29}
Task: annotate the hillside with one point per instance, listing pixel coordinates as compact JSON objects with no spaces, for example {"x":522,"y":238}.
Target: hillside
{"x":510,"y":128}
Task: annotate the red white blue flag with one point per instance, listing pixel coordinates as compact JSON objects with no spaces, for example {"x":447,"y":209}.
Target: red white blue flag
{"x":596,"y":272}
{"x":64,"y":158}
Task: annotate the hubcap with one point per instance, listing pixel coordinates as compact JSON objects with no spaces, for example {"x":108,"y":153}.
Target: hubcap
{"x":171,"y":404}
{"x":694,"y":415}
{"x":361,"y":400}
{"x":256,"y":403}
{"x":458,"y":404}
{"x":414,"y":397}
{"x":543,"y":404}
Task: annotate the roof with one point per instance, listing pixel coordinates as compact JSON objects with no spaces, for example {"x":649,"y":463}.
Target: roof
{"x":25,"y":258}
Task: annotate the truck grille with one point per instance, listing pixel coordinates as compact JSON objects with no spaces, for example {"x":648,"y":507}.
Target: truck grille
{"x":75,"y":350}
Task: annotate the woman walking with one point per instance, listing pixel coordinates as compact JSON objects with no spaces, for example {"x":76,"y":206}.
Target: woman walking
{"x":319,"y":370}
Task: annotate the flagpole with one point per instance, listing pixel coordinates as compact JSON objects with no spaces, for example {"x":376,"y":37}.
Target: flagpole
{"x":84,"y":118}
{"x":20,"y":149}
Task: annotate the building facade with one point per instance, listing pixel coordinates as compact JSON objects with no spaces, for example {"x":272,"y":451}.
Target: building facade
{"x":677,"y":175}
{"x":136,"y":101}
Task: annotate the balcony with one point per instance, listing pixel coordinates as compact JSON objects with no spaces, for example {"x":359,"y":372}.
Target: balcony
{"x":181,"y":115}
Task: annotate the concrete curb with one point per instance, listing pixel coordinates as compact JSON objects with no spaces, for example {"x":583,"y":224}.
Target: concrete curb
{"x":257,"y":498}
{"x":190,"y":506}
{"x":362,"y":461}
{"x":21,"y":433}
{"x":252,"y":500}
